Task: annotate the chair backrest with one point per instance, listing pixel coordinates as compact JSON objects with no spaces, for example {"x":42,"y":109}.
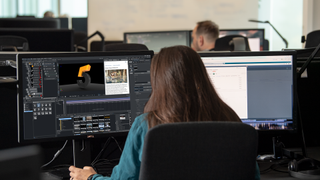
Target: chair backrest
{"x":232,"y":43}
{"x":96,"y":45}
{"x":199,"y":150}
{"x":21,"y":163}
{"x":313,"y":39}
{"x":125,"y":47}
{"x":13,"y":43}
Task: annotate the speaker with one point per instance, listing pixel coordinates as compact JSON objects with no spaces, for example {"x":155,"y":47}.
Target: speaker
{"x":304,"y":169}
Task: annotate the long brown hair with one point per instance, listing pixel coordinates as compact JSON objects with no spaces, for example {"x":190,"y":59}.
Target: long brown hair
{"x":182,"y":90}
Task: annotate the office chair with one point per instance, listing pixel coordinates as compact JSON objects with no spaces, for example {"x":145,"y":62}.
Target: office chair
{"x":96,"y":45}
{"x":13,"y":43}
{"x":232,"y":43}
{"x":125,"y":47}
{"x":199,"y":150}
{"x":21,"y":163}
{"x":313,"y":39}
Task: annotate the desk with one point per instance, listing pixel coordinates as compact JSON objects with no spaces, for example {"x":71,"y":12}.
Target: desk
{"x":272,"y":174}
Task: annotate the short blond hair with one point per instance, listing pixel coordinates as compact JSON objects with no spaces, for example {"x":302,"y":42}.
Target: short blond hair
{"x":209,"y":29}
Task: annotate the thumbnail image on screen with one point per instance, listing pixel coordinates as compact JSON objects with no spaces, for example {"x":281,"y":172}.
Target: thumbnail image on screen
{"x":71,"y":77}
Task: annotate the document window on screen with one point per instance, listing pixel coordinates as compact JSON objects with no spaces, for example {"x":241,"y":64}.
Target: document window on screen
{"x":258,"y":88}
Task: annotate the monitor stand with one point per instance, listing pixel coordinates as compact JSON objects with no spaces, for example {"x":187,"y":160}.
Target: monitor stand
{"x":81,"y":153}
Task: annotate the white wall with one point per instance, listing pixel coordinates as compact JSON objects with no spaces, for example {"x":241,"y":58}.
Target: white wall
{"x":311,"y":16}
{"x":113,"y":17}
{"x":286,"y":17}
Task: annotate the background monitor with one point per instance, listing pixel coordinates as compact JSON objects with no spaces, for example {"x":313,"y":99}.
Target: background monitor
{"x":30,"y":23}
{"x":80,"y":24}
{"x":157,"y":40}
{"x":54,"y":103}
{"x":40,"y":39}
{"x":255,"y":36}
{"x":258,"y":86}
{"x":64,"y":22}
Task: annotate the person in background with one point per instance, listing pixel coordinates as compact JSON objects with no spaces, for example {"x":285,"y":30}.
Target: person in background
{"x":48,"y":14}
{"x":204,"y":36}
{"x":181,"y":92}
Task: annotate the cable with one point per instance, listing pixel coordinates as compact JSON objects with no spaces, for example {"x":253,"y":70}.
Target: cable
{"x":11,"y":63}
{"x":117,"y":143}
{"x":103,"y":148}
{"x":55,"y":155}
{"x":105,"y":166}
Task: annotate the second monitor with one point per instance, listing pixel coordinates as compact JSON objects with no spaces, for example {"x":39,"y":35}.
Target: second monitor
{"x":259,"y":86}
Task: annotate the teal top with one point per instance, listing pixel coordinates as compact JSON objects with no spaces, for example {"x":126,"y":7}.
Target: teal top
{"x":129,"y":165}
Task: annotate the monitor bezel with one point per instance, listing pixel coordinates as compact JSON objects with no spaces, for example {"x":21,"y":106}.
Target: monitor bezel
{"x":154,"y":32}
{"x":267,"y":53}
{"x":20,"y":125}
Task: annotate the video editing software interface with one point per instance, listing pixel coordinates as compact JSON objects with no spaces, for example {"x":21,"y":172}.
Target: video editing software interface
{"x":259,"y":88}
{"x":157,"y":40}
{"x":255,"y":36}
{"x":68,"y":95}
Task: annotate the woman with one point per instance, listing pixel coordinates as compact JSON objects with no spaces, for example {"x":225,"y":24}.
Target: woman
{"x":181,"y":92}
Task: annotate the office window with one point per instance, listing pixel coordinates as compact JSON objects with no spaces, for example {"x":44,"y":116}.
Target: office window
{"x":74,"y":8}
{"x":71,"y":8}
{"x":8,"y":8}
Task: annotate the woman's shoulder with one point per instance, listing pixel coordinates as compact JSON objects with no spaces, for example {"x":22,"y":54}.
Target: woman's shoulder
{"x":140,"y":122}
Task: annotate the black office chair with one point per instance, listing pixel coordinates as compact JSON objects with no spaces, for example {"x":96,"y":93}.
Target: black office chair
{"x":232,"y":43}
{"x":313,"y":39}
{"x":199,"y":150}
{"x":125,"y":47}
{"x":96,"y":45}
{"x":13,"y":43}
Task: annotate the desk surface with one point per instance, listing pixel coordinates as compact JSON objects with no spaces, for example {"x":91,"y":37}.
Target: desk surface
{"x":271,"y":170}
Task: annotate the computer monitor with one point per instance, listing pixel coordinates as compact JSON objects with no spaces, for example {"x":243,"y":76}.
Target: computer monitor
{"x":41,"y":39}
{"x":155,"y":40}
{"x":258,"y":86}
{"x":80,"y":24}
{"x":64,"y":22}
{"x":80,"y":96}
{"x":30,"y":23}
{"x":255,"y":36}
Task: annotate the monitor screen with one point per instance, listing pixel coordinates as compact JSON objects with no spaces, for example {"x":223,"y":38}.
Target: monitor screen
{"x":157,"y":40}
{"x":255,"y":36}
{"x":80,"y":95}
{"x":258,"y":86}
